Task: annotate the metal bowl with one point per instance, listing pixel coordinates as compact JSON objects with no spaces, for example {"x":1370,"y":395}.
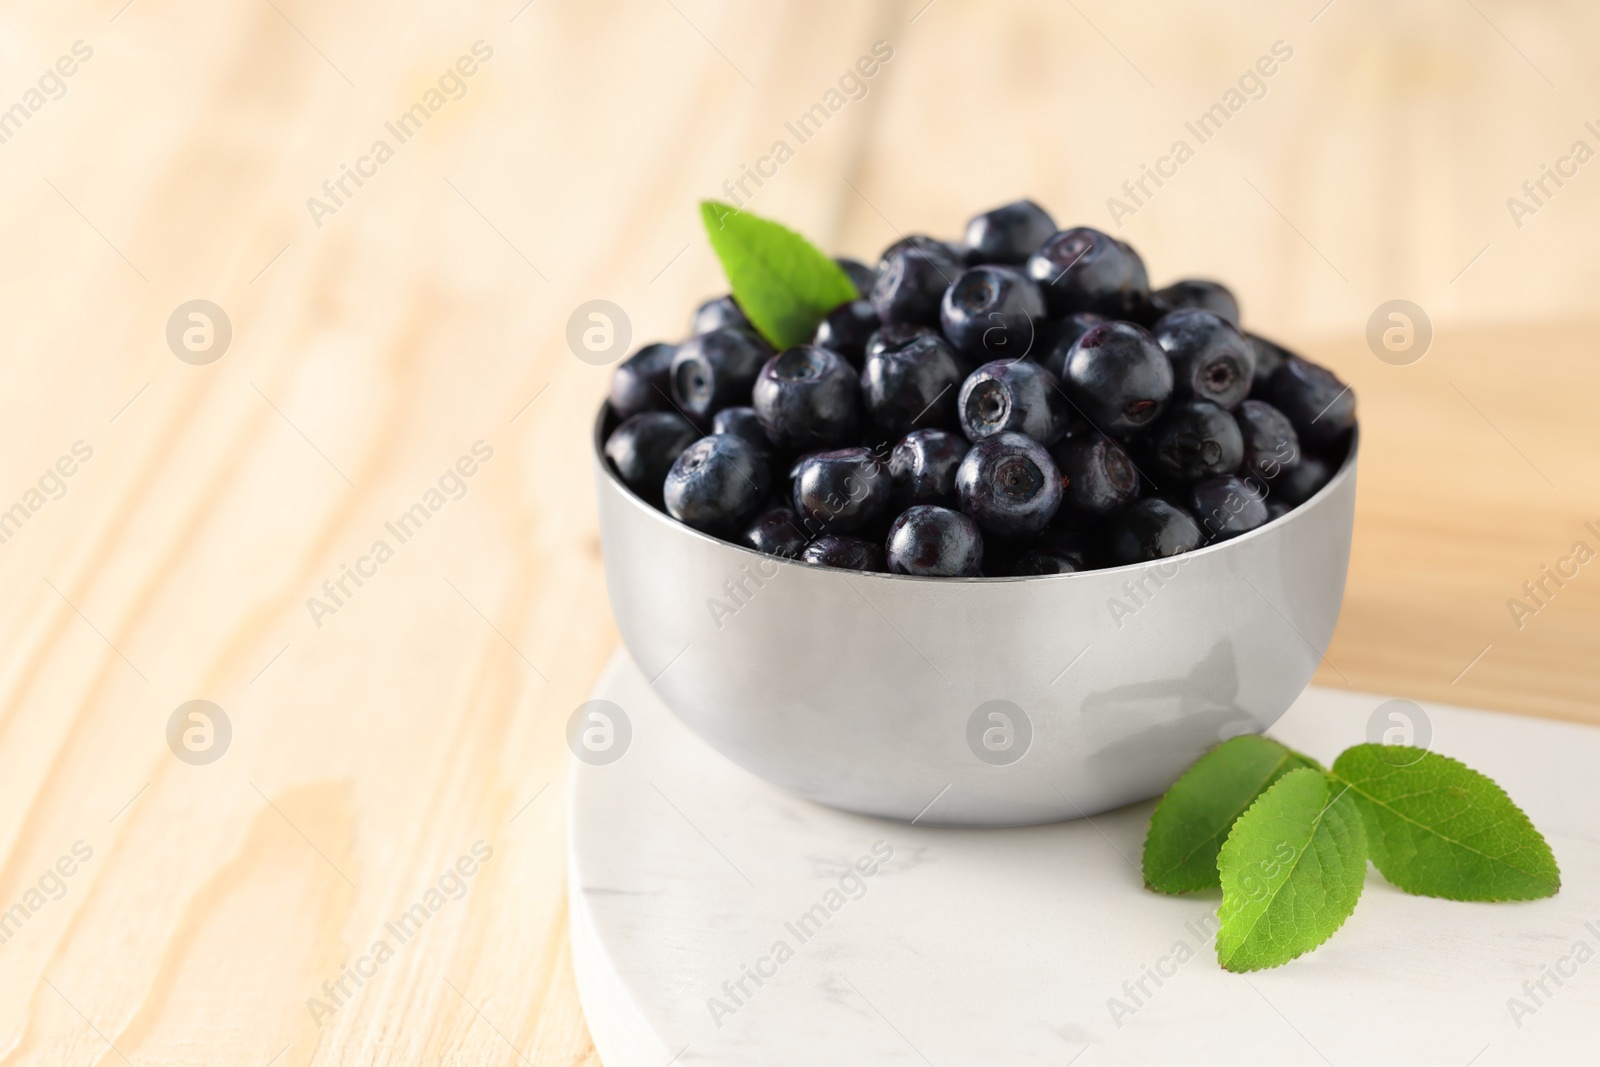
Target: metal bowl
{"x":974,"y":701}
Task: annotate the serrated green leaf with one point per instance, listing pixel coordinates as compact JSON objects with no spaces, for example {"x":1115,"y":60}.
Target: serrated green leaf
{"x":784,"y":283}
{"x":1292,"y":870}
{"x":1194,"y":817}
{"x":1438,"y":828}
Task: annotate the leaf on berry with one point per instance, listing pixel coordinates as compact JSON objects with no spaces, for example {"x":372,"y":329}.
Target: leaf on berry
{"x":1193,"y":818}
{"x":1292,"y":870}
{"x":783,"y":283}
{"x":1438,"y":828}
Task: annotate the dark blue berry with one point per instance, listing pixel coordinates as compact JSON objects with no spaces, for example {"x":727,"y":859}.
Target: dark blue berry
{"x":777,"y":532}
{"x":935,"y":542}
{"x":644,"y":447}
{"x":1068,"y":536}
{"x":893,"y":336}
{"x":1302,"y":481}
{"x":717,"y":483}
{"x":715,"y":370}
{"x":1012,"y":397}
{"x":642,"y":382}
{"x":912,"y":279}
{"x":1149,"y":529}
{"x":1009,"y":484}
{"x":1277,"y":509}
{"x":1194,"y":441}
{"x":1210,"y":358}
{"x":1271,"y":447}
{"x":1062,"y":335}
{"x":1008,"y":234}
{"x":1228,"y":507}
{"x":923,"y":466}
{"x":1096,"y":474}
{"x":1322,"y":408}
{"x":1059,"y":550}
{"x":1044,"y":561}
{"x":742,"y":422}
{"x":1269,"y":357}
{"x":1119,"y":377}
{"x":842,"y":491}
{"x":808,"y":397}
{"x":1086,"y":270}
{"x":717,"y":313}
{"x":989,"y":313}
{"x":1196,"y":293}
{"x":847,"y":329}
{"x":848,"y":553}
{"x":912,"y":386}
{"x":861,"y":275}
{"x":1073,"y":424}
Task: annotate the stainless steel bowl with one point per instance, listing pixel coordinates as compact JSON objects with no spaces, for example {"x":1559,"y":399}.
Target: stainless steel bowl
{"x":976,"y":701}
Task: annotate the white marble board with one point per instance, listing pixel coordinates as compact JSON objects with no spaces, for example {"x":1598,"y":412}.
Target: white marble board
{"x":1038,"y":945}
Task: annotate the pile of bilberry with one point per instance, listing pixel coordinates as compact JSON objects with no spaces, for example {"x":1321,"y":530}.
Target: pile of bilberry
{"x":1019,"y":403}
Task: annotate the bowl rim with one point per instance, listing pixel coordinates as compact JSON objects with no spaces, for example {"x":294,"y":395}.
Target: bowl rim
{"x":1345,"y":472}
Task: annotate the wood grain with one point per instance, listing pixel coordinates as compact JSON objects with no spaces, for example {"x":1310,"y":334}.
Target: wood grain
{"x":375,"y":744}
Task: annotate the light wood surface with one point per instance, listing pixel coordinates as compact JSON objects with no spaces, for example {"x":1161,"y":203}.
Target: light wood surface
{"x":374,"y":746}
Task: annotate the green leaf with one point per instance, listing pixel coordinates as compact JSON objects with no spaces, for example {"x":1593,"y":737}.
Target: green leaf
{"x":1440,"y":829}
{"x":1193,"y":819}
{"x":1292,"y":870}
{"x":783,"y":282}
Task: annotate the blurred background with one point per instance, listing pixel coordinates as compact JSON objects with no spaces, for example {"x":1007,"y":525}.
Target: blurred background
{"x":158,"y":152}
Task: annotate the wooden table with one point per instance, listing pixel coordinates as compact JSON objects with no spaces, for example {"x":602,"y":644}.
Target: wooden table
{"x":200,"y":547}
